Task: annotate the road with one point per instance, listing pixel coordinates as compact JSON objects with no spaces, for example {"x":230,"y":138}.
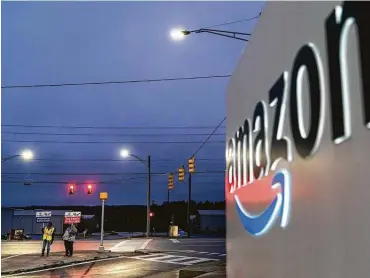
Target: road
{"x":175,"y":253}
{"x":34,"y":246}
{"x":214,"y":248}
{"x":126,"y":267}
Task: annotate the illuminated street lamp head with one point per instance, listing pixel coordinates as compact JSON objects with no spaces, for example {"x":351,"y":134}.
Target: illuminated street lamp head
{"x":125,"y":153}
{"x":27,"y":155}
{"x":178,"y":34}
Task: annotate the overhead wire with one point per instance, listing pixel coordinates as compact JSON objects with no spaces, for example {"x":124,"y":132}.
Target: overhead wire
{"x":111,"y":160}
{"x":107,"y":127}
{"x":207,"y":140}
{"x":106,"y":142}
{"x":99,"y":174}
{"x":107,"y":134}
{"x":233,"y":22}
{"x":116,"y":82}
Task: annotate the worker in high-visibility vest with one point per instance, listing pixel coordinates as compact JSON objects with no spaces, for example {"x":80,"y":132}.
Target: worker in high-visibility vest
{"x":47,"y":238}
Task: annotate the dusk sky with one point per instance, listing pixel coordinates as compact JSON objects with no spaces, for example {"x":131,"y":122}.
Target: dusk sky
{"x":75,"y":42}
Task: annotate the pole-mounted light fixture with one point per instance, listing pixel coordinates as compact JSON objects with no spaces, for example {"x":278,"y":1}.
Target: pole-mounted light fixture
{"x":179,"y":34}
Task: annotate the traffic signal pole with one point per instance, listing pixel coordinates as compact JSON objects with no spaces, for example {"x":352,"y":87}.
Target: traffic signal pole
{"x":189,"y":201}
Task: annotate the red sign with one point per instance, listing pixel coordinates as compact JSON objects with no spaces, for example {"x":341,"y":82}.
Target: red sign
{"x":72,"y":217}
{"x":72,"y":220}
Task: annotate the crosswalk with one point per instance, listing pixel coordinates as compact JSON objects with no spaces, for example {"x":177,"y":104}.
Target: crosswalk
{"x":201,"y":253}
{"x":173,"y":259}
{"x":130,"y":245}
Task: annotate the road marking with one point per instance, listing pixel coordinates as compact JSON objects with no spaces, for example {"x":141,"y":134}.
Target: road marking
{"x":172,"y":259}
{"x":214,"y":253}
{"x":145,"y":244}
{"x":175,"y":240}
{"x":118,"y":245}
{"x":11,"y":257}
{"x":202,"y":252}
{"x":222,"y":255}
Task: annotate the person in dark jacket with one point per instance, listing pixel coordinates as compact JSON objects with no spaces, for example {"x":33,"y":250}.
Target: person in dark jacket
{"x":69,"y":238}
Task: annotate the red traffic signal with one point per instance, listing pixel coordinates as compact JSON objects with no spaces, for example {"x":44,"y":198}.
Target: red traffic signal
{"x":151,"y":214}
{"x":72,"y":189}
{"x":89,"y":189}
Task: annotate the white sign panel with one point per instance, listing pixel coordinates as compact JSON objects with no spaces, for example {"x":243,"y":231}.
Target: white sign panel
{"x":43,"y":214}
{"x":72,"y":214}
{"x":72,"y":217}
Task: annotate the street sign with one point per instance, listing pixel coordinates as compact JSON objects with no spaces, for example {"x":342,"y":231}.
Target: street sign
{"x":72,"y":217}
{"x":43,"y":216}
{"x":104,"y":196}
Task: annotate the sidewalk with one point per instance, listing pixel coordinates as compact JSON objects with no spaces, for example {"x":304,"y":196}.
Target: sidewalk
{"x":30,"y":262}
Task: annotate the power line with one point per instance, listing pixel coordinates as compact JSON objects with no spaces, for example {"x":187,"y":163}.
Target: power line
{"x":109,"y":127}
{"x":216,"y":128}
{"x":105,"y":134}
{"x":100,"y":174}
{"x":115,"y":82}
{"x":233,"y":22}
{"x":107,"y":142}
{"x":27,"y":166}
{"x":114,"y":160}
{"x":210,"y":135}
{"x":84,"y":183}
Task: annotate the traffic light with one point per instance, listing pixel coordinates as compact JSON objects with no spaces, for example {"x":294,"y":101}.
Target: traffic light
{"x":151,"y":214}
{"x":192,"y":165}
{"x":170,"y":182}
{"x":72,"y":189}
{"x":89,"y":189}
{"x":182,"y":173}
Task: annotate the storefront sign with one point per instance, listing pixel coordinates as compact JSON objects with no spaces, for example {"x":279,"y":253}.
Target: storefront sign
{"x":259,"y":146}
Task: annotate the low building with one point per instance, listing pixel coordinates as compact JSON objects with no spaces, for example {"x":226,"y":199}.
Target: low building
{"x":212,"y":220}
{"x":26,"y":220}
{"x":6,"y":220}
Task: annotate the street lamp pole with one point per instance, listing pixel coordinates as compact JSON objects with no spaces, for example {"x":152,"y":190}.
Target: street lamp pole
{"x":179,"y":34}
{"x":26,"y":155}
{"x":125,"y":153}
{"x":10,"y":157}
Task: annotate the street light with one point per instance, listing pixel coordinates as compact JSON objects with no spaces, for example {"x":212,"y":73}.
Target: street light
{"x":126,"y":153}
{"x":179,"y":34}
{"x":25,"y":155}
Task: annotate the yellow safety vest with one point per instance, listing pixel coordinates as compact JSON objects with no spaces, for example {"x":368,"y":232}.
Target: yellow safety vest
{"x":48,"y":233}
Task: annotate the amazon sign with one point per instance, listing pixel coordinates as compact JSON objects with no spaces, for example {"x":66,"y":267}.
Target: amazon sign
{"x":298,"y":141}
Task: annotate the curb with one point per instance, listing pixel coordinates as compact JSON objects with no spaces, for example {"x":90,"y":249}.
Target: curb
{"x":63,"y":263}
{"x":147,"y":251}
{"x":214,"y":274}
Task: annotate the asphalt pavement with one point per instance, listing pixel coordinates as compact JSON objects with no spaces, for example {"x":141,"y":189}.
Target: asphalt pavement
{"x":174,"y":253}
{"x":214,"y":248}
{"x":119,"y":267}
{"x":34,"y":246}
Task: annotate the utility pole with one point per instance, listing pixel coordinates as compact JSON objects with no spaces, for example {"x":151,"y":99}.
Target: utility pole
{"x":148,"y":200}
{"x":189,"y":201}
{"x":191,"y":164}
